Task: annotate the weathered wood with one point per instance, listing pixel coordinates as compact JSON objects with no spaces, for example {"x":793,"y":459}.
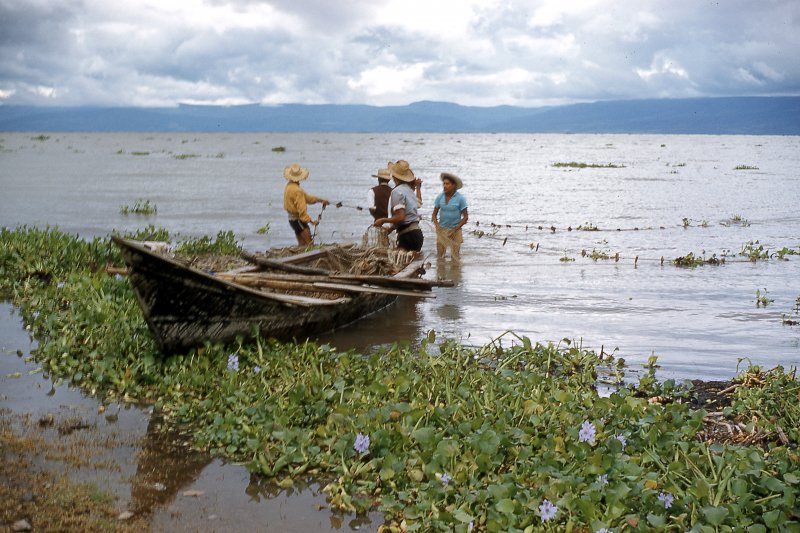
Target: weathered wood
{"x":186,"y":307}
{"x":267,"y":282}
{"x":411,"y":269}
{"x":278,"y":265}
{"x":305,"y":257}
{"x":374,"y":290}
{"x":391,"y":282}
{"x":110,"y":269}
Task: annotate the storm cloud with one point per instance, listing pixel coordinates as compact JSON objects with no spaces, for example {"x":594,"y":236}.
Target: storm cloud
{"x":393,"y":52}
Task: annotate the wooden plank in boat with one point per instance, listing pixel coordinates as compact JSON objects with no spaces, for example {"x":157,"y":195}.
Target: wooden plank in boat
{"x":374,"y":290}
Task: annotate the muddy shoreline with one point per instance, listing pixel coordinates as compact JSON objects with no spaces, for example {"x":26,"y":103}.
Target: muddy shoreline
{"x":122,"y":470}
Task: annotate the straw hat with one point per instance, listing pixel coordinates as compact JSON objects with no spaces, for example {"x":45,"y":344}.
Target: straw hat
{"x":401,"y":171}
{"x":383,"y":174}
{"x":295,"y":173}
{"x":452,"y":177}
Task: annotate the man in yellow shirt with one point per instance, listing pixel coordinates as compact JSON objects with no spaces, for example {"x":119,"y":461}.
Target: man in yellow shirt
{"x":295,"y":200}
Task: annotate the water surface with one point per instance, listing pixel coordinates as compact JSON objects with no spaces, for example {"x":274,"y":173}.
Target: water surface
{"x":699,"y":322}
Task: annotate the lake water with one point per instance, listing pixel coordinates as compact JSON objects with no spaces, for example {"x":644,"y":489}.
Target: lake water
{"x":699,"y":322}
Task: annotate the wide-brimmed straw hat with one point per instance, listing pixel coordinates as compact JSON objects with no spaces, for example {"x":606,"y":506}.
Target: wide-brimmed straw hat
{"x":383,"y":174}
{"x":295,"y":173}
{"x":452,"y":177}
{"x":401,"y":171}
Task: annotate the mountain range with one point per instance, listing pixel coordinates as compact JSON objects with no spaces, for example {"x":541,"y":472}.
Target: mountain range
{"x":724,"y":115}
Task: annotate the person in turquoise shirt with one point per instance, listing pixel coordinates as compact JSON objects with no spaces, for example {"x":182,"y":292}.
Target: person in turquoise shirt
{"x":449,"y":216}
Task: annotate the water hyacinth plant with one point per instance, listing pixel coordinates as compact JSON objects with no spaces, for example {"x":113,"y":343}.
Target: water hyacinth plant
{"x":507,"y":425}
{"x":141,"y":207}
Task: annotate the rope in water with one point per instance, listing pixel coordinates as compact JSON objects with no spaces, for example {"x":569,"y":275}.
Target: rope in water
{"x":568,"y":255}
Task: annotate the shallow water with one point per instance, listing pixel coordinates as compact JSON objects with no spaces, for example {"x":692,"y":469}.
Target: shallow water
{"x":699,"y":322}
{"x":181,"y":490}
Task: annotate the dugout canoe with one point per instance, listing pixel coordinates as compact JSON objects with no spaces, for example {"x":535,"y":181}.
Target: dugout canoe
{"x":289,"y":298}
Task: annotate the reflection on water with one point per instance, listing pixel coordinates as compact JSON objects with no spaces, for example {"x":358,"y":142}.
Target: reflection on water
{"x":165,"y":465}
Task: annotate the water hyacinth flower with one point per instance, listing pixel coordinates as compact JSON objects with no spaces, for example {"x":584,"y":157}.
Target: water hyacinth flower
{"x":257,"y":369}
{"x":603,"y":530}
{"x":547,"y":510}
{"x":666,"y":498}
{"x":445,"y":479}
{"x":362,"y":443}
{"x":233,"y":362}
{"x":587,"y":433}
{"x":60,"y":285}
{"x":602,"y":479}
{"x":622,"y":440}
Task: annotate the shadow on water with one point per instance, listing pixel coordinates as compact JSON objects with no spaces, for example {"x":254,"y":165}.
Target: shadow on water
{"x":129,"y":453}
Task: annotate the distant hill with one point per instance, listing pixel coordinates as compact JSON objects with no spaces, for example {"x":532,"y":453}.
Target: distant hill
{"x":734,"y":115}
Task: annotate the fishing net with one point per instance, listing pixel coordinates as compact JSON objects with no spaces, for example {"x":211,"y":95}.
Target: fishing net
{"x":375,"y":237}
{"x":373,"y":261}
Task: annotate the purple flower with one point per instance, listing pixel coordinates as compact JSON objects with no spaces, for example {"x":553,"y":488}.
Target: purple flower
{"x":666,"y":498}
{"x":445,"y":479}
{"x":547,"y":510}
{"x":602,"y":479}
{"x":362,"y":443}
{"x":622,"y":440}
{"x":257,"y":369}
{"x":587,"y":433}
{"x":603,"y":530}
{"x":233,"y":362}
{"x":60,"y":285}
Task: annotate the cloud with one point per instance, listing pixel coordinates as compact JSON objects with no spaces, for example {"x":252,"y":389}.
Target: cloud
{"x":391,"y":52}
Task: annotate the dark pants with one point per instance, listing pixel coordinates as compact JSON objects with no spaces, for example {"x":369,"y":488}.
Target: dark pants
{"x":298,"y":226}
{"x":411,"y":240}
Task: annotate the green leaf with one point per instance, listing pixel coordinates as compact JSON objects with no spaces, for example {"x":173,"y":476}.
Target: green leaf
{"x":462,"y":516}
{"x":505,"y":506}
{"x":424,"y":436}
{"x":715,"y":515}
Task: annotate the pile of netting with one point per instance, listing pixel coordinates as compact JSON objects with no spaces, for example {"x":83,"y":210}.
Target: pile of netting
{"x":373,"y":261}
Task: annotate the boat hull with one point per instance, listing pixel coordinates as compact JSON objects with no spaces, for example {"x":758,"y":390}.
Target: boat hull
{"x":186,"y":307}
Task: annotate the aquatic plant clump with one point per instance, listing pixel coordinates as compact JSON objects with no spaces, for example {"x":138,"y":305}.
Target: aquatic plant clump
{"x":141,"y":207}
{"x":444,"y":437}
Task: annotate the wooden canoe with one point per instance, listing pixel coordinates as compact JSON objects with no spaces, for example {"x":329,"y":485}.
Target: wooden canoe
{"x":185,"y":306}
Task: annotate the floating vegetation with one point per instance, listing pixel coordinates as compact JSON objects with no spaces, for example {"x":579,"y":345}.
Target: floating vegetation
{"x":754,"y":251}
{"x":40,"y":138}
{"x":279,"y":149}
{"x":224,"y":244}
{"x":220,"y":155}
{"x":597,"y":255}
{"x":744,"y":167}
{"x":140,"y":153}
{"x":263,"y":230}
{"x":446,"y":437}
{"x":565,"y":258}
{"x":141,"y":207}
{"x":793,"y":319}
{"x":587,"y":226}
{"x":690,"y":260}
{"x":185,"y":156}
{"x":687,"y":222}
{"x":736,"y":220}
{"x":574,"y":164}
{"x":783,"y":252}
{"x":761,"y":298}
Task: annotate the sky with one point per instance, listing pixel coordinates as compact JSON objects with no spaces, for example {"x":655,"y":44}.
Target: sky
{"x":156,"y":53}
